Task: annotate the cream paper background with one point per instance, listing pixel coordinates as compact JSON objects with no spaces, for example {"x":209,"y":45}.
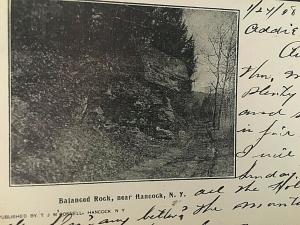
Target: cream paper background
{"x":253,"y":50}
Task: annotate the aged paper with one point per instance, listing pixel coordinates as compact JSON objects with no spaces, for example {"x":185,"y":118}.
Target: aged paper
{"x":153,"y":112}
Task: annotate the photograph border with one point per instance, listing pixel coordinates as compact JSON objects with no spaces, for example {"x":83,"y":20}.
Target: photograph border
{"x":138,"y":180}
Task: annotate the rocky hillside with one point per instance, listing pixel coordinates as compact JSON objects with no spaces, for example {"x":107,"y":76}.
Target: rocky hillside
{"x":109,"y":112}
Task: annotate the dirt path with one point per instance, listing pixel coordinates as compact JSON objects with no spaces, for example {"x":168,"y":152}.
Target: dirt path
{"x":194,"y":159}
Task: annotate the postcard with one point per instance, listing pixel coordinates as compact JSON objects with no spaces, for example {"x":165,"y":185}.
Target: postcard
{"x":150,"y":112}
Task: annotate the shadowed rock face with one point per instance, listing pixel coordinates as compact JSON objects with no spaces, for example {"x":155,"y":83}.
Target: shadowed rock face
{"x":143,"y":89}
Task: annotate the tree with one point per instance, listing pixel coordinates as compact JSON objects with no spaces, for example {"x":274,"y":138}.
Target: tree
{"x":221,"y":58}
{"x":230,"y":65}
{"x":171,"y":37}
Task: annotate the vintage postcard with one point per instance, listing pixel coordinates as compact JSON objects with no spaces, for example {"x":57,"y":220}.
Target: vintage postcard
{"x":105,"y":92}
{"x":150,"y":112}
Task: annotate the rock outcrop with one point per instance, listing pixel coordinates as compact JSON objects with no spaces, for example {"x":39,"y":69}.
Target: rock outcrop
{"x":163,"y":70}
{"x":67,"y":110}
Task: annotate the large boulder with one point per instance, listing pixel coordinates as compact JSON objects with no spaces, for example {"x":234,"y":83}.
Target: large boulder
{"x":163,"y":70}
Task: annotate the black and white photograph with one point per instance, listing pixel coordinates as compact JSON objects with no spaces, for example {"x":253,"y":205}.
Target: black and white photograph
{"x":117,"y":92}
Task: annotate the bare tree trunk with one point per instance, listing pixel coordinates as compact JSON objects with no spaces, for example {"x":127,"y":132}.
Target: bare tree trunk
{"x":221,"y":105}
{"x":217,"y":84}
{"x":215,"y":105}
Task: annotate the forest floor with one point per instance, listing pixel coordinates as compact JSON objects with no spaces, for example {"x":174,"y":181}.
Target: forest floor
{"x":197,"y":157}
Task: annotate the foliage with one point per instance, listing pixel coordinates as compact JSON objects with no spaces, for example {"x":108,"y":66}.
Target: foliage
{"x":78,"y":27}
